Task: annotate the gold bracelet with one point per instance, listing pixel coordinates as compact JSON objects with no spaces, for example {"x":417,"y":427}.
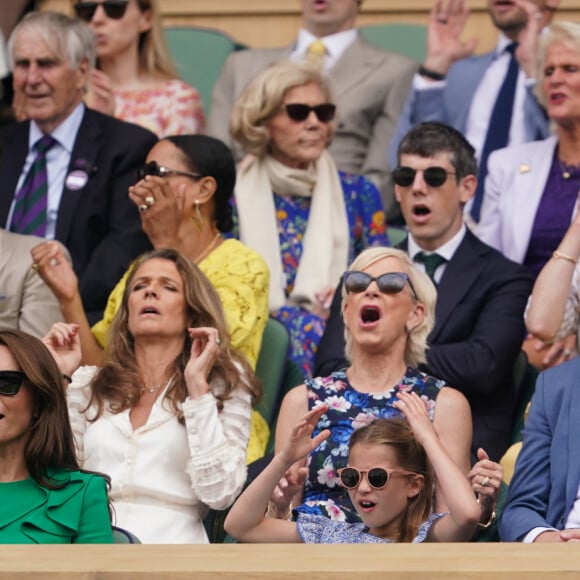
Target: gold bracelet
{"x":489,"y":522}
{"x":560,"y":256}
{"x":272,"y":512}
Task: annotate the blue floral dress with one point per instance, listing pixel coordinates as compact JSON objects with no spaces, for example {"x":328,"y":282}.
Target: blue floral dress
{"x":321,"y":530}
{"x":348,"y":409}
{"x":366,"y":220}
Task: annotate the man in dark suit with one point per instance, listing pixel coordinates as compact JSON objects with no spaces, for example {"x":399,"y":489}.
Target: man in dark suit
{"x":89,"y":165}
{"x":369,"y":84}
{"x":479,"y":324}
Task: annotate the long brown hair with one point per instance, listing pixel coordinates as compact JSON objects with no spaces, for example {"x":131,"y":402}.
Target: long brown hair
{"x":50,"y":445}
{"x":411,"y":456}
{"x":118,"y":383}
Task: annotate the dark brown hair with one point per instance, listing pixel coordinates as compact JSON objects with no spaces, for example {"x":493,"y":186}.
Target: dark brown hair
{"x":50,"y":444}
{"x":119,"y":381}
{"x":411,"y":456}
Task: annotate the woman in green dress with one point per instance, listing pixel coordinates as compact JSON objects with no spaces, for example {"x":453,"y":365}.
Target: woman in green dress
{"x":46,"y":498}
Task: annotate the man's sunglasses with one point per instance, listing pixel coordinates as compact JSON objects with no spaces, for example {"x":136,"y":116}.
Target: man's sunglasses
{"x":299,"y":112}
{"x":433,"y":176}
{"x":153,"y":168}
{"x":378,"y":477}
{"x":389,"y":283}
{"x":10,"y":382}
{"x":114,"y":9}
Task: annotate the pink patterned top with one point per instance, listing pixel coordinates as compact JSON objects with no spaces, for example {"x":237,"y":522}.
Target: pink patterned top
{"x":173,"y":109}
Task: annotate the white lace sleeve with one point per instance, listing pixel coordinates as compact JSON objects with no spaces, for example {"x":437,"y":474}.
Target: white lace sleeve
{"x":78,"y":395}
{"x":217,"y":446}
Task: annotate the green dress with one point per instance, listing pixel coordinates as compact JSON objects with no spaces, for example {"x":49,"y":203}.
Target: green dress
{"x":76,"y":513}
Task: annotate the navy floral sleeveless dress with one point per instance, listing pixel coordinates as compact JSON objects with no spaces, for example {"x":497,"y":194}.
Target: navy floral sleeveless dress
{"x":348,"y":410}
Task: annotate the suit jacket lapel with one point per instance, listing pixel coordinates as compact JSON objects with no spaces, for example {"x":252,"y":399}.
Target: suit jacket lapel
{"x":459,"y":276}
{"x":353,"y":66}
{"x":13,"y":156}
{"x":573,"y":451}
{"x":83,"y":157}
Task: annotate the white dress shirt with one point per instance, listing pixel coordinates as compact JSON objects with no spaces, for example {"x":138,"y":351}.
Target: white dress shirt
{"x":335,"y":45}
{"x":164,"y":474}
{"x":57,"y":164}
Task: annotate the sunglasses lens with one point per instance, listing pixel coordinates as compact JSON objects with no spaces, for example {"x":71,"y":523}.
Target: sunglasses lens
{"x":378,"y":477}
{"x":349,"y":477}
{"x":391,"y":283}
{"x":115,"y":9}
{"x":435,"y":176}
{"x":85,"y":10}
{"x":10,"y":382}
{"x":297,"y":112}
{"x":404,"y":176}
{"x":325,"y":112}
{"x":356,"y":281}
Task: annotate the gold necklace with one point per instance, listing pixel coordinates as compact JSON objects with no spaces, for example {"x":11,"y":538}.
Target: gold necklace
{"x":208,"y":248}
{"x":151,"y":389}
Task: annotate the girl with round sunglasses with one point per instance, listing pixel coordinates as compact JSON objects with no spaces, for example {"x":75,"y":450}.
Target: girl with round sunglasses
{"x":136,"y":80}
{"x":46,"y":497}
{"x":389,"y":477}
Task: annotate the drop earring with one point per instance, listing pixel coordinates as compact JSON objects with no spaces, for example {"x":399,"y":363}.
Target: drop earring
{"x":198,"y":218}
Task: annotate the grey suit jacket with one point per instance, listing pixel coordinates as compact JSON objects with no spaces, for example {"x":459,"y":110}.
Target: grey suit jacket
{"x":450,"y":104}
{"x":370,"y":86}
{"x":26,"y":302}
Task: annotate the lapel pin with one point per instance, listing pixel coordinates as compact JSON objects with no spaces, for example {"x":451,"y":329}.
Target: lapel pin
{"x":76,"y":179}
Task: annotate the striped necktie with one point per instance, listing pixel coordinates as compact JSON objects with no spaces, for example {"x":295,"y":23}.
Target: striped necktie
{"x":30,"y":207}
{"x":316,"y":52}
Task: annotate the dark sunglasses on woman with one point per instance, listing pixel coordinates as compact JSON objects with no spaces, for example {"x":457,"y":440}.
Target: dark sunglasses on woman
{"x":114,"y":9}
{"x":10,"y":382}
{"x":389,"y":283}
{"x":299,"y":112}
{"x":433,"y":176}
{"x":153,"y":168}
{"x":378,"y":477}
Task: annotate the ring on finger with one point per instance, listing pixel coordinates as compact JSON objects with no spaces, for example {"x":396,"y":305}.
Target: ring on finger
{"x":442,"y":20}
{"x":149,"y":200}
{"x":35,"y":266}
{"x":567,"y":353}
{"x":485,"y":481}
{"x":218,"y":340}
{"x":142,"y":208}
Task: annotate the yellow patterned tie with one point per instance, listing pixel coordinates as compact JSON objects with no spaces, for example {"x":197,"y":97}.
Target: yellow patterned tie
{"x":316,"y":52}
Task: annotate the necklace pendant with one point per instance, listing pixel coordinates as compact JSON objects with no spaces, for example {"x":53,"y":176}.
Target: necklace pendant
{"x":566,"y":174}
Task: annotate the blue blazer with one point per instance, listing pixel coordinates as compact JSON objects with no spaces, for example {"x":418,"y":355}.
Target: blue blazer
{"x":450,"y":104}
{"x":547,"y":473}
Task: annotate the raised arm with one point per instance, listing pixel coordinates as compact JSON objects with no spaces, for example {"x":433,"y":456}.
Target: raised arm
{"x":57,"y":273}
{"x":246,"y":520}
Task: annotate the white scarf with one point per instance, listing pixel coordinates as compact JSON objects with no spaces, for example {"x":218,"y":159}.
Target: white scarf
{"x":326,"y":241}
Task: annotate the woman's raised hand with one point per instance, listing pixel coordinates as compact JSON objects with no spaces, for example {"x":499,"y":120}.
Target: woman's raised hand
{"x":205,"y":344}
{"x":161,"y":210}
{"x":63,"y":342}
{"x":101,"y":95}
{"x":56,"y":271}
{"x":485,"y":478}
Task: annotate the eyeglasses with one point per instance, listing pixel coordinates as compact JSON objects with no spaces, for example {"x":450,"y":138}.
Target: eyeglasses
{"x":377,"y":477}
{"x":153,"y":168}
{"x":10,"y":382}
{"x":433,"y":176}
{"x":299,"y":112}
{"x":389,"y":283}
{"x":114,"y":9}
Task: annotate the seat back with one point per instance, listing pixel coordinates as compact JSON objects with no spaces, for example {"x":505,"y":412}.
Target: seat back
{"x":407,"y":39}
{"x":123,"y":536}
{"x":271,"y":367}
{"x":199,"y":55}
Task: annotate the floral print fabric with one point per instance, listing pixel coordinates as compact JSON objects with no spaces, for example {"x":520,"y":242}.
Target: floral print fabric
{"x":348,"y":410}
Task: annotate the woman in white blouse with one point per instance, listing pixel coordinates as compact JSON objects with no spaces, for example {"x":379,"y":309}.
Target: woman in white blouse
{"x":167,"y":417}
